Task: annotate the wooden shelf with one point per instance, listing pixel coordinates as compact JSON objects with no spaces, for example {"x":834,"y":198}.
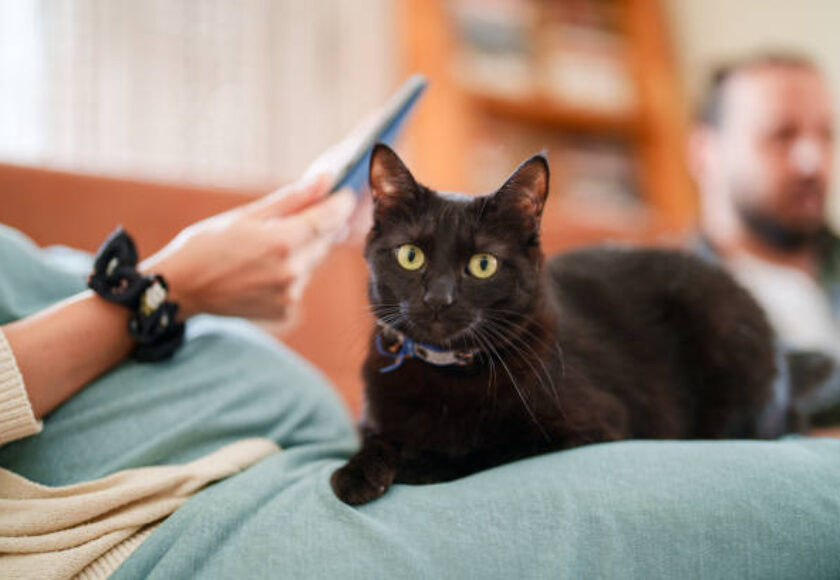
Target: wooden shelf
{"x":554,"y":114}
{"x":567,"y":225}
{"x":458,"y":117}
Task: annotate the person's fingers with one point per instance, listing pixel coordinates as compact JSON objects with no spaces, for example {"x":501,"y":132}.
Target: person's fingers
{"x":279,"y":326}
{"x":296,"y":271}
{"x":292,"y":198}
{"x":361,"y":221}
{"x":297,"y":287}
{"x":306,"y":259}
{"x":323,"y":219}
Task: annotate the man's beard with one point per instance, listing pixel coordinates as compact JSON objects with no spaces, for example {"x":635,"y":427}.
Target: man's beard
{"x":773,"y":231}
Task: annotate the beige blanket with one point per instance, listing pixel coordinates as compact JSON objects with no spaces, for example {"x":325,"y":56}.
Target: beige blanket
{"x":89,"y":529}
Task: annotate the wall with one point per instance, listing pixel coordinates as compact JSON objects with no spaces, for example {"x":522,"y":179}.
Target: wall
{"x":214,"y":92}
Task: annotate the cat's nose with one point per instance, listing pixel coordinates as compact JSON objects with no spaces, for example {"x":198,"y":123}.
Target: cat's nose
{"x":440,"y":293}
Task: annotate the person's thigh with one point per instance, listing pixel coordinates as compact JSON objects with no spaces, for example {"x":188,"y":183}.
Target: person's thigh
{"x":229,"y":381}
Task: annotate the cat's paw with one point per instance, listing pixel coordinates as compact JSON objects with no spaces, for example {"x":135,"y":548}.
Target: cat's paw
{"x":357,"y":484}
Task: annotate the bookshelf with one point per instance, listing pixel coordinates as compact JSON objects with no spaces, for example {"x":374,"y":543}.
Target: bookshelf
{"x":540,"y":110}
{"x":592,"y":82}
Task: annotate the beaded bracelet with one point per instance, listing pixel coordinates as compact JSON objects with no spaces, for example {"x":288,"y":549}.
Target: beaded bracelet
{"x":153,"y":323}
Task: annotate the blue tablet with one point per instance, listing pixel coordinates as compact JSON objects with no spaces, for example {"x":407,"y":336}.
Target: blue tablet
{"x":349,"y":158}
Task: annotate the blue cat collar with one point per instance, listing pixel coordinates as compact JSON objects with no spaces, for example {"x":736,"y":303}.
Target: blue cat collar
{"x":405,"y":348}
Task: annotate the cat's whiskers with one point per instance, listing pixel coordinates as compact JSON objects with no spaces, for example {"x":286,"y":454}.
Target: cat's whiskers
{"x":518,"y":349}
{"x":466,"y":331}
{"x":404,"y":313}
{"x":492,"y":349}
{"x":511,"y":313}
{"x":483,"y":342}
{"x":491,"y":380}
{"x":361,"y":321}
{"x":545,"y":378}
{"x":386,"y":313}
{"x":485,"y":331}
{"x":353,"y":333}
{"x":520,"y":327}
{"x":555,"y":343}
{"x":381,"y":307}
{"x":517,"y":330}
{"x":390,"y":319}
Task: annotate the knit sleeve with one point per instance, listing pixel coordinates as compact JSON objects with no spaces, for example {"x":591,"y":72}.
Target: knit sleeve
{"x":16,"y":417}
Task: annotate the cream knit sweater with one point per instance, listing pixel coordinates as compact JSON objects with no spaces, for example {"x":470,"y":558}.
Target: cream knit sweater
{"x":16,"y":417}
{"x":88,"y":529}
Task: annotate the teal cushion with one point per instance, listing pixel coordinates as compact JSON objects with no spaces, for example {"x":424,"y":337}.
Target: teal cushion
{"x":642,"y":510}
{"x":635,"y":509}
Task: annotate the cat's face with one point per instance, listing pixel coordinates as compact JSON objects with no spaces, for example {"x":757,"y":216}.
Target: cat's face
{"x":445,"y":267}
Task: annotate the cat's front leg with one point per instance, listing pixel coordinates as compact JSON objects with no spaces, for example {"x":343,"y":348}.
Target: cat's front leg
{"x":368,"y":474}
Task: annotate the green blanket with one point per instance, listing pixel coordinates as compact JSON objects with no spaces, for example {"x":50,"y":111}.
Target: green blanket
{"x":646,"y":510}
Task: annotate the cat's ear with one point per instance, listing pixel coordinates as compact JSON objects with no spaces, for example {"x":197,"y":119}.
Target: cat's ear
{"x":391,"y":183}
{"x":526,"y":190}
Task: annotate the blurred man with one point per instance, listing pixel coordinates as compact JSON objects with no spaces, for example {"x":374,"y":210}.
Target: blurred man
{"x":762,"y":155}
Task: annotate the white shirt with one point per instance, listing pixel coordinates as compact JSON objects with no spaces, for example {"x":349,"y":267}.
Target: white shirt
{"x":797,"y":306}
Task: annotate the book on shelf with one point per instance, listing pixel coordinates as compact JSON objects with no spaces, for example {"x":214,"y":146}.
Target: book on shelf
{"x":594,"y":177}
{"x":570,"y":51}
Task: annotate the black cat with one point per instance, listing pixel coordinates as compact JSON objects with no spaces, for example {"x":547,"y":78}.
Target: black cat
{"x":483,"y":354}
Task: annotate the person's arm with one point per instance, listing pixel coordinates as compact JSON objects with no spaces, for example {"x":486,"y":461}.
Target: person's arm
{"x":66,"y":346}
{"x":253,"y":261}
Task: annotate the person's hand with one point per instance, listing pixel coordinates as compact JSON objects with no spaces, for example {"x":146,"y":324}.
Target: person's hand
{"x":254,"y":261}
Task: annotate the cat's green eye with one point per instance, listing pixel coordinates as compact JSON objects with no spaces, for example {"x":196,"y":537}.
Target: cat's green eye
{"x":483,"y":265}
{"x":410,"y":257}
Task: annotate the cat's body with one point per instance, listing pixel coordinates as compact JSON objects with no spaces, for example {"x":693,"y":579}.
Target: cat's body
{"x":597,"y":345}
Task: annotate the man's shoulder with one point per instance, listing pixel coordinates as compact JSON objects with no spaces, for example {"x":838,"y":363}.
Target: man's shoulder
{"x":829,"y":248}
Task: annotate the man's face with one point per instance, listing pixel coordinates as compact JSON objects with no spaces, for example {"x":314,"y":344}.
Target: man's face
{"x":775,"y":146}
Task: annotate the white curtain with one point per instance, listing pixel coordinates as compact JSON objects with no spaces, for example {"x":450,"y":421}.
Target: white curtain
{"x":222,"y":92}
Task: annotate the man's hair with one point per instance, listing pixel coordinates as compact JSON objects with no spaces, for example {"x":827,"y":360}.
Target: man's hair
{"x":710,"y":109}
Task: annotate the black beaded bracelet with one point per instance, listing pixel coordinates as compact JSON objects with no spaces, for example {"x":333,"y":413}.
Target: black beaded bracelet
{"x":116,"y":279}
